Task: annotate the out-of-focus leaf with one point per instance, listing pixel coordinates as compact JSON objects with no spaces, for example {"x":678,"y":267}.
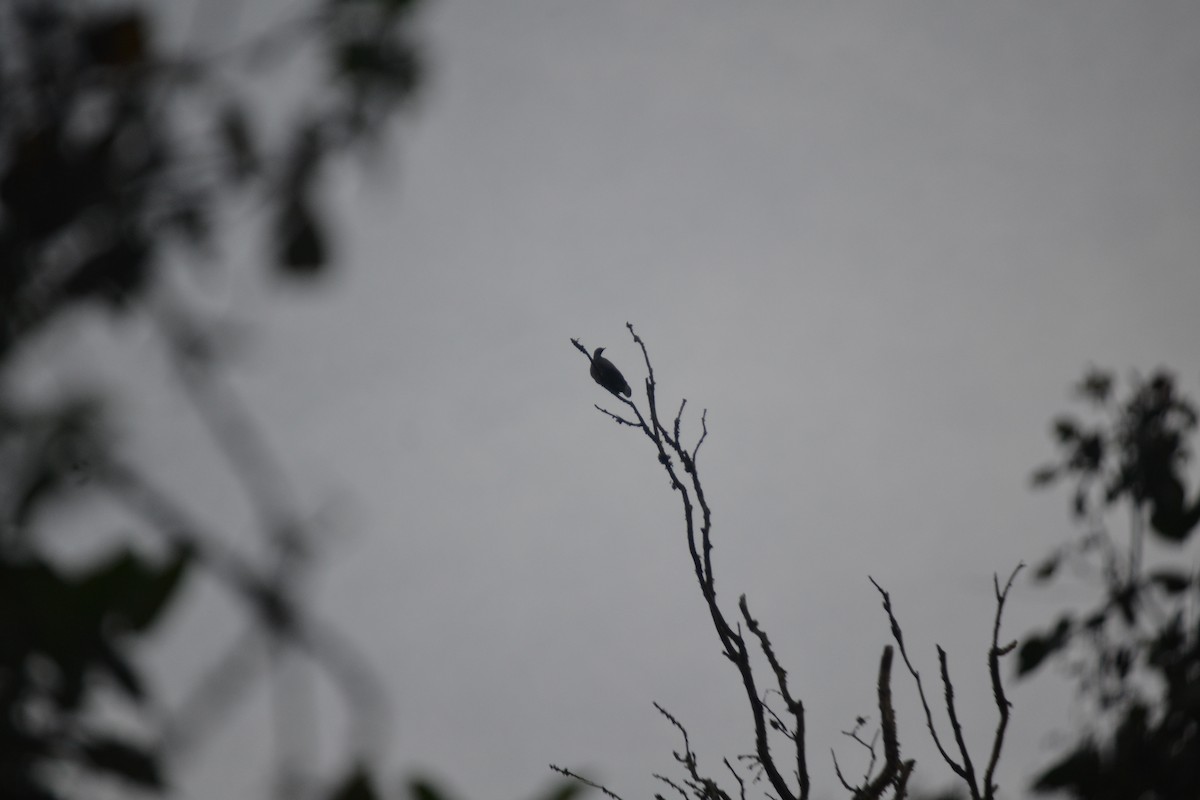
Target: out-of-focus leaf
{"x":1088,"y":452}
{"x":114,"y":273}
{"x":1066,"y":430}
{"x":382,"y":63}
{"x":1038,"y":647}
{"x":303,"y":251}
{"x":1170,"y":581}
{"x":191,"y":222}
{"x":116,"y":39}
{"x":1079,"y":503}
{"x":563,"y":790}
{"x":1124,"y":598}
{"x":40,"y":188}
{"x":1123,"y":661}
{"x":123,"y":673}
{"x":1047,"y":568}
{"x":357,"y":786}
{"x":129,"y":590}
{"x":1096,"y":386}
{"x":131,"y":762}
{"x":1079,"y":770}
{"x":1170,"y":518}
{"x":1166,"y":649}
{"x":1044,"y":476}
{"x":423,"y":789}
{"x":389,"y":6}
{"x":45,"y":482}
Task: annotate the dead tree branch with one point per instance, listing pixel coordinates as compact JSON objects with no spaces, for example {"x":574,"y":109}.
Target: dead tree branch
{"x":575,"y":776}
{"x":894,"y":772}
{"x":683,"y":471}
{"x":995,"y":653}
{"x":964,"y":769}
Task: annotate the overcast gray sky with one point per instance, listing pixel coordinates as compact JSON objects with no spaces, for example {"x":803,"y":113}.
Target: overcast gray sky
{"x":876,"y":240}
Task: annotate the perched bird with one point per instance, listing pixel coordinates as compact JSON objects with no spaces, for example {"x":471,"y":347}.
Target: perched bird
{"x":607,"y":375}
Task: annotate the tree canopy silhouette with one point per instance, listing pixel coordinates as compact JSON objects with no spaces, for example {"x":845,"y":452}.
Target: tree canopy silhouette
{"x":118,"y":158}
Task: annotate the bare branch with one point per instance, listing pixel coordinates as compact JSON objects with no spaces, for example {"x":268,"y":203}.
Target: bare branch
{"x":618,"y":418}
{"x":955,"y":725}
{"x":899,"y":637}
{"x":794,"y":706}
{"x":672,"y":784}
{"x":577,"y":777}
{"x":678,"y":420}
{"x":891,"y":743}
{"x":579,"y":346}
{"x":965,"y":770}
{"x":703,"y":434}
{"x":1002,"y":703}
{"x":838,"y":770}
{"x":698,"y":522}
{"x":738,"y":778}
{"x":704,"y":787}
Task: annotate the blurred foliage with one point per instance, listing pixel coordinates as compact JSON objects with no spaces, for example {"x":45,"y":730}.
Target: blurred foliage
{"x":1136,"y":653}
{"x":118,"y":156}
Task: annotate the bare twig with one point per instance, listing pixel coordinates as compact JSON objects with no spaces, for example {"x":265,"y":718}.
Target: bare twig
{"x":899,"y":637}
{"x":965,"y":770}
{"x":664,"y":779}
{"x":955,"y":725}
{"x":1002,"y":703}
{"x":577,"y":777}
{"x":704,"y":787}
{"x":738,"y":778}
{"x":794,"y":706}
{"x":838,"y":771}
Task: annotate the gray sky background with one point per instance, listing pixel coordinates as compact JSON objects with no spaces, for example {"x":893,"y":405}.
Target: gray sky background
{"x":876,"y":240}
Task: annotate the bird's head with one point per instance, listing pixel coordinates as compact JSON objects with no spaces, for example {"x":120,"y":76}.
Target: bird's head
{"x":596,"y":354}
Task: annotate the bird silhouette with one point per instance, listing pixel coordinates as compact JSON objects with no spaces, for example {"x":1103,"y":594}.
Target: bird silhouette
{"x":607,"y":375}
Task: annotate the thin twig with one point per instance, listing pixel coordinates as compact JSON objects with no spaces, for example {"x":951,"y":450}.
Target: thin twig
{"x":672,"y":784}
{"x":899,"y":637}
{"x":577,"y":777}
{"x":738,"y":778}
{"x":955,"y":725}
{"x":1002,"y":703}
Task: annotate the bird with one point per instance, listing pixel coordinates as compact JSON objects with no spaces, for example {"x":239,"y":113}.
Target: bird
{"x":607,"y":375}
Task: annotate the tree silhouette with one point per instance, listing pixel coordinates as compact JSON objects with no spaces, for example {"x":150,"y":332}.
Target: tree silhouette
{"x":1136,"y":653}
{"x":745,"y":643}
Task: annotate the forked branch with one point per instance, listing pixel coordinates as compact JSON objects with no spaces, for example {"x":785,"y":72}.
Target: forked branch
{"x":680,"y":464}
{"x":964,"y":769}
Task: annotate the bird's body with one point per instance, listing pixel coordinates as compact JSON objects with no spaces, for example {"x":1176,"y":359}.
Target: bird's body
{"x":605,"y":373}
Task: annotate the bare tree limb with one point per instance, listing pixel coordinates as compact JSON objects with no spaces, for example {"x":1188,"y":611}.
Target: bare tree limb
{"x":1002,"y":703}
{"x":955,"y":725}
{"x":893,"y":768}
{"x":738,"y":778}
{"x":794,"y":706}
{"x":965,"y":770}
{"x":899,"y":637}
{"x":698,"y":523}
